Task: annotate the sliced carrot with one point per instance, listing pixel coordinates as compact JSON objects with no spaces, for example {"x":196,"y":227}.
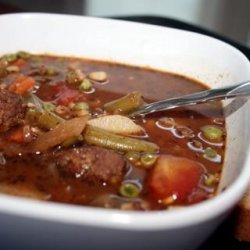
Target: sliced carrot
{"x":19,"y":62}
{"x":16,"y":135}
{"x":22,"y":85}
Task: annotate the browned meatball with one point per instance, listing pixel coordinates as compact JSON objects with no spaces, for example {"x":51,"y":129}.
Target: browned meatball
{"x":11,"y":110}
{"x":91,"y":163}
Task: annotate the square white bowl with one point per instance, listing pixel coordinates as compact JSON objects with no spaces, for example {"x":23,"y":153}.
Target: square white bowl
{"x":33,"y":224}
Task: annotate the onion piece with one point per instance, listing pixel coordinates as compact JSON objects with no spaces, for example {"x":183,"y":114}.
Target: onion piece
{"x":116,"y":124}
{"x":59,"y":134}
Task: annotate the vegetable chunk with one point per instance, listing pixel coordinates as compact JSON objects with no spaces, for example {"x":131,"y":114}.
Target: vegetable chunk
{"x":102,"y":138}
{"x":125,"y":104}
{"x":116,"y":124}
{"x":59,"y":134}
{"x":176,"y":176}
{"x":22,"y":85}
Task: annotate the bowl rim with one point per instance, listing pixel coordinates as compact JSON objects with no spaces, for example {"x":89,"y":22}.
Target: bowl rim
{"x":129,"y":220}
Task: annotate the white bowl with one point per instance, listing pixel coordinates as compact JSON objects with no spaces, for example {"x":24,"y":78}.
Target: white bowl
{"x":33,"y":224}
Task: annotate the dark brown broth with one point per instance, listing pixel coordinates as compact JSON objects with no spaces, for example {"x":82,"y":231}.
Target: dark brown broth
{"x":154,"y":85}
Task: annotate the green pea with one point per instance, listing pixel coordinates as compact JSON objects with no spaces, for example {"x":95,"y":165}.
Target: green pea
{"x":210,"y":180}
{"x":85,"y":85}
{"x":48,"y":106}
{"x":129,"y":190}
{"x":210,"y":153}
{"x":133,"y":156}
{"x":212,"y":133}
{"x":148,"y":159}
{"x":81,"y":106}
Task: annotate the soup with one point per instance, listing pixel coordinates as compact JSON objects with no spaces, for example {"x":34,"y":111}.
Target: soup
{"x":66,"y":135}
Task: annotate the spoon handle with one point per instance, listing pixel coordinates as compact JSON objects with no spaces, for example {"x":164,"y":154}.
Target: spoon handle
{"x":241,"y":89}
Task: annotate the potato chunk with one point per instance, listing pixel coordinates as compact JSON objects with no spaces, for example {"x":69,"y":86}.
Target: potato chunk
{"x":116,"y":124}
{"x":175,"y":176}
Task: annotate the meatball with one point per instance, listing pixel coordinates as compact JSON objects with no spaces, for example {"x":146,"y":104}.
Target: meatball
{"x":91,"y":163}
{"x":11,"y":110}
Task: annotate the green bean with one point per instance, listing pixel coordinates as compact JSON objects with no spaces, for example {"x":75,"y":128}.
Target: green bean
{"x":49,"y":120}
{"x":129,"y":190}
{"x":32,"y":115}
{"x":100,"y":137}
{"x":125,"y":104}
{"x":23,"y":54}
{"x":41,"y":112}
{"x":45,"y":119}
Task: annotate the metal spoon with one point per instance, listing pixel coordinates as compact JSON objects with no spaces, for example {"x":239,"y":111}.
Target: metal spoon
{"x":241,"y":89}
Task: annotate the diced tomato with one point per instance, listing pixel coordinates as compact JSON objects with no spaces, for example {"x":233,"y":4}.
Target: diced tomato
{"x":19,"y":62}
{"x":65,"y":95}
{"x":175,"y":175}
{"x":22,"y":85}
{"x":60,"y":94}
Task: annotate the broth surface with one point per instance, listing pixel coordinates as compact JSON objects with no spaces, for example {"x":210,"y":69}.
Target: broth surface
{"x":35,"y":177}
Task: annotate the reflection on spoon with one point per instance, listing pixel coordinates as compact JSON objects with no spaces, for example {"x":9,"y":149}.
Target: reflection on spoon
{"x":227,"y":92}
